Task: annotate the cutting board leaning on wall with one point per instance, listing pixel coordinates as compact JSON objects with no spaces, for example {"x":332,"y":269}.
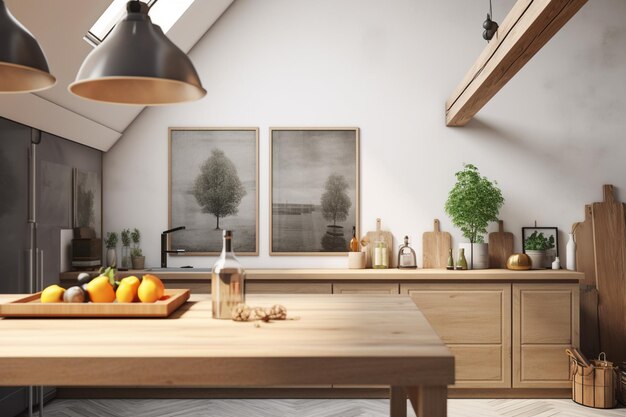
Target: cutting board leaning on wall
{"x":436,"y":246}
{"x":500,"y":247}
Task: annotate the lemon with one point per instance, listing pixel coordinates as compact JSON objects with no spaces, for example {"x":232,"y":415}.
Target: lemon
{"x":127,"y":290}
{"x":52,"y":294}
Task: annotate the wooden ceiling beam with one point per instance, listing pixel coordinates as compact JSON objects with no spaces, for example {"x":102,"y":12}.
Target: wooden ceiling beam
{"x":524,"y":31}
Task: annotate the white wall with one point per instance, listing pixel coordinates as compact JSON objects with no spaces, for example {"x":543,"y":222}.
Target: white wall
{"x":550,"y":138}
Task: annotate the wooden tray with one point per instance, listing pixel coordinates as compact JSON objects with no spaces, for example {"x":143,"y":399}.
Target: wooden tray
{"x":31,"y":307}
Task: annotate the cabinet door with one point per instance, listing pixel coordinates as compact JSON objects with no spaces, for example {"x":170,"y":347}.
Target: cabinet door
{"x":366,"y":288}
{"x":474,"y":320}
{"x":545,"y":323}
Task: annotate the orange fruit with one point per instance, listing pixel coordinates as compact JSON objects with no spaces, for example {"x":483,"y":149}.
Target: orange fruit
{"x":100,"y":290}
{"x":127,"y":290}
{"x":153,"y":287}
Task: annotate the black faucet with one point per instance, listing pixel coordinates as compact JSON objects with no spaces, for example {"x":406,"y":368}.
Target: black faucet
{"x":164,"y":250}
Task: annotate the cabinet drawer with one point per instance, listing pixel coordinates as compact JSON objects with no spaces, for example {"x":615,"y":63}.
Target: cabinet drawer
{"x":465,"y":313}
{"x":288,"y":288}
{"x":366,"y":288}
{"x":545,"y":364}
{"x":546,"y":316}
{"x":480,"y":366}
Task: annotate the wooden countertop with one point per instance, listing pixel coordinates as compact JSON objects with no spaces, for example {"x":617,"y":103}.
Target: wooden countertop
{"x":336,"y":275}
{"x":340,"y":339}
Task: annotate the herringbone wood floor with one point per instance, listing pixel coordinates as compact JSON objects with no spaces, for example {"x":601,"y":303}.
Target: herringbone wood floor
{"x":313,"y":408}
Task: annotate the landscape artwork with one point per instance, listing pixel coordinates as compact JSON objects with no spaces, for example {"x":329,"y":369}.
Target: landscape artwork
{"x":213,"y":187}
{"x":314,"y":190}
{"x":88,"y":200}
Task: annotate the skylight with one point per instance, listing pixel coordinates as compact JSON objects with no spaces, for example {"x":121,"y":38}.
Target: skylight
{"x":162,"y":12}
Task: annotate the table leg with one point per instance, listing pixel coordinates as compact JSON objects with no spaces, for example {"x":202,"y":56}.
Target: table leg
{"x":429,"y":401}
{"x":397,"y":402}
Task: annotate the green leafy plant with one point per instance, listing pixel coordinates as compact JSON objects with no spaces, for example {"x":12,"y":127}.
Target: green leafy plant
{"x":125,"y":234}
{"x":537,"y":241}
{"x":473,"y":202}
{"x":136,"y":252}
{"x":111,"y":240}
{"x":135,"y":235}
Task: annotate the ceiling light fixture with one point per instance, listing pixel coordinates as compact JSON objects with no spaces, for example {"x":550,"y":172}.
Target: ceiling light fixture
{"x":137,"y":64}
{"x":23,"y":65}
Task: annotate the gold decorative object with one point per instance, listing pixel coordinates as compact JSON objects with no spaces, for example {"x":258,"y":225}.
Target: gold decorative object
{"x":519,"y":262}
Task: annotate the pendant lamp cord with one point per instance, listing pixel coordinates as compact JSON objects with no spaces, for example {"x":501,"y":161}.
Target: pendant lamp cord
{"x":490,"y":10}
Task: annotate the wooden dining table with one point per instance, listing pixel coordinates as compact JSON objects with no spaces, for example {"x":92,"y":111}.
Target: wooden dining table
{"x":365,"y":340}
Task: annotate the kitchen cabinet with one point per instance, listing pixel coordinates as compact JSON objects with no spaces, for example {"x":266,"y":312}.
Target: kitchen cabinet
{"x":288,"y":288}
{"x":545,"y":323}
{"x":474,"y":320}
{"x":366,"y":288}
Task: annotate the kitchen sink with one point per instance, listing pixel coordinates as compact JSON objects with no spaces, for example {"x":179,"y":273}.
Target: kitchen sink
{"x":174,"y":269}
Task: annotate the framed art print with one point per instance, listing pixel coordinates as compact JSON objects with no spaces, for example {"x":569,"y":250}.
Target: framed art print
{"x":213,"y":185}
{"x":314,"y":190}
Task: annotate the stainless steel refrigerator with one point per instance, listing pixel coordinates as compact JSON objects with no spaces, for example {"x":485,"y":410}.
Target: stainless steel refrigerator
{"x":37,"y":193}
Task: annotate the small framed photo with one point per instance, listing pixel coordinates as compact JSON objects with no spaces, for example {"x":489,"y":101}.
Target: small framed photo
{"x":542,"y":239}
{"x":213,"y":185}
{"x":314,"y":190}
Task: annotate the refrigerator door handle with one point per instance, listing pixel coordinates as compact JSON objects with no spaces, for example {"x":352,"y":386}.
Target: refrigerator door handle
{"x":41,"y":285}
{"x":31,"y":275}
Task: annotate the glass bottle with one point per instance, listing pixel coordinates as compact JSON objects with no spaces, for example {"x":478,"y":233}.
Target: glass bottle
{"x":450,"y":264}
{"x":461,"y":262}
{"x":126,"y":261}
{"x":381,"y":258}
{"x":406,"y":255}
{"x":354,"y":242}
{"x":227,"y":281}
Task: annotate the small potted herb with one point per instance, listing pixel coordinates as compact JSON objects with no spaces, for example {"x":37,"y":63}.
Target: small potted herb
{"x":472,"y":204}
{"x":125,"y":235}
{"x":138,"y":260}
{"x":536,"y":247}
{"x":111,"y":243}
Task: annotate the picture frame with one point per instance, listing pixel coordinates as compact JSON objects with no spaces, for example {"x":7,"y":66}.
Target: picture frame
{"x":87,"y":200}
{"x":314,"y":181}
{"x":548,"y":232}
{"x":196,"y":151}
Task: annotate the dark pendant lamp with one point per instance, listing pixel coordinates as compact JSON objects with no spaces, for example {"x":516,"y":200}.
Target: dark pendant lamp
{"x":23,"y":66}
{"x":137,"y":64}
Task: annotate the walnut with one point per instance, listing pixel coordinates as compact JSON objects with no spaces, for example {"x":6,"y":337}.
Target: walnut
{"x":277,"y":312}
{"x":261,"y":314}
{"x":241,"y":313}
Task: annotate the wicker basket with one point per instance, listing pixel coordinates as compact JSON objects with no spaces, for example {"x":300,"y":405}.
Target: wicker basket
{"x":594,"y":385}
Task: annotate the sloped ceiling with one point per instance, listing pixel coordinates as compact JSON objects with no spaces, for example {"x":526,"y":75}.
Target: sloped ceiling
{"x":59,"y":26}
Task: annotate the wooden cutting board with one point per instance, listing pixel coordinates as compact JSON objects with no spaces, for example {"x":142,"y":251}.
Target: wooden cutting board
{"x":31,"y":306}
{"x":609,"y":237}
{"x":586,"y":263}
{"x":371,"y":238}
{"x":436,"y":246}
{"x":500,"y":247}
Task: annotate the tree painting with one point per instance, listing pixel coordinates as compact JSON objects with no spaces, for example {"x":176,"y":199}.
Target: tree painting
{"x":218,"y":189}
{"x":335,"y":200}
{"x":85,"y":210}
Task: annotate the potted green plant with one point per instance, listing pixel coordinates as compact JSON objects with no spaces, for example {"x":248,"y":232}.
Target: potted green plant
{"x":536,"y":246}
{"x":138,"y":260}
{"x":111,"y":243}
{"x":125,"y":237}
{"x":472,"y":204}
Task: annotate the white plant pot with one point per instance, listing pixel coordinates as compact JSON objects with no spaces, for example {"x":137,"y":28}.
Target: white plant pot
{"x":111,"y":257}
{"x":537,"y":257}
{"x":480,"y":255}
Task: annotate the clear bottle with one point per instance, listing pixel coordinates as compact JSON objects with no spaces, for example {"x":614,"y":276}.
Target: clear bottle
{"x":461,"y":262}
{"x":381,"y":257}
{"x":354,"y":242}
{"x":227,"y":281}
{"x":406,"y":256}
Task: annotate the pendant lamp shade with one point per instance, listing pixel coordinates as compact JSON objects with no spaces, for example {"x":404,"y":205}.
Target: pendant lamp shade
{"x":137,"y":64}
{"x":23,"y":66}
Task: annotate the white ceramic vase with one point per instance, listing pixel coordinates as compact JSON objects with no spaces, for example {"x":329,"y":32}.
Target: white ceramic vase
{"x":571,"y":253}
{"x":537,"y":257}
{"x":111,"y":257}
{"x":477,"y":255}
